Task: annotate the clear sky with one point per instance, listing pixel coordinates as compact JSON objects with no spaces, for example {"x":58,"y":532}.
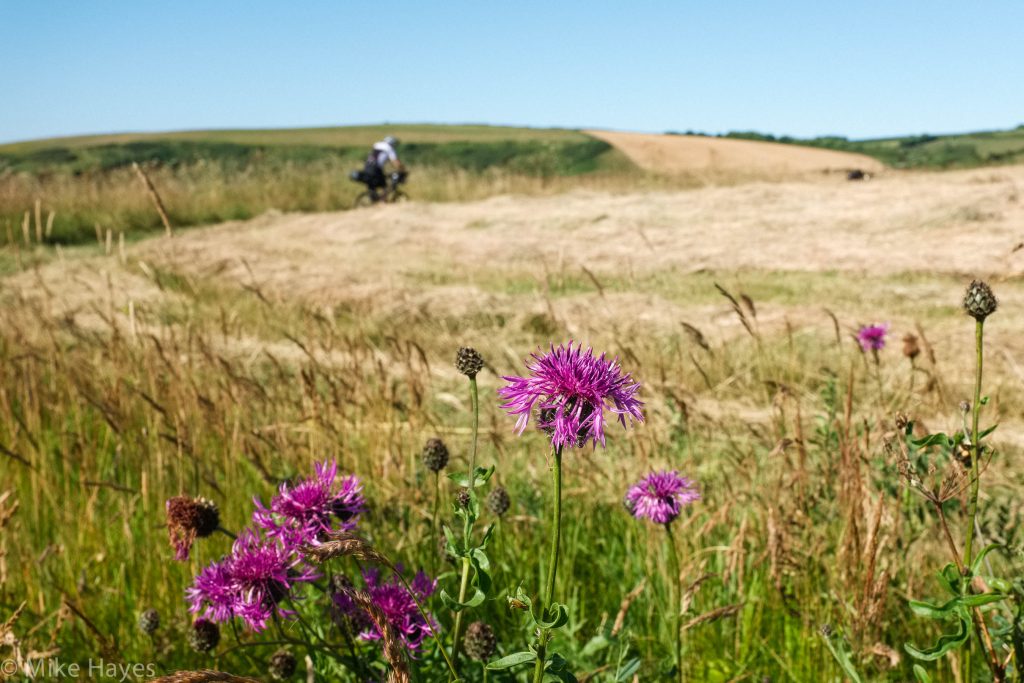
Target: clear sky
{"x":803,"y":67}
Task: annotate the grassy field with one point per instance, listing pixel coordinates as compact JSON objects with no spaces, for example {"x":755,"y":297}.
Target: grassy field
{"x":962,"y":150}
{"x":87,"y":186}
{"x":225,"y":361}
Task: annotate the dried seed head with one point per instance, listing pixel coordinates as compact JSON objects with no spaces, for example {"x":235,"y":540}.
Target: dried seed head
{"x":965,"y":407}
{"x":468,"y":361}
{"x":282,"y":665}
{"x":188,"y":519}
{"x":498,"y":501}
{"x":480,"y":641}
{"x":149,"y":621}
{"x":462,"y":498}
{"x":902,"y":421}
{"x":826,"y":630}
{"x":911,"y":349}
{"x":341,"y":583}
{"x":435,"y":455}
{"x":203,"y":636}
{"x":979,"y":301}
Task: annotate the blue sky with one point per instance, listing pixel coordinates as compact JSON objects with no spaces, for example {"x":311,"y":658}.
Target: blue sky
{"x":860,"y":68}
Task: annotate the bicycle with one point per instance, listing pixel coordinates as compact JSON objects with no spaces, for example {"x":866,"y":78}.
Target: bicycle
{"x":391,"y":193}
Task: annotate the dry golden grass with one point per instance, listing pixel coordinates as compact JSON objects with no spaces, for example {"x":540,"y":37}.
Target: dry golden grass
{"x":681,"y":154}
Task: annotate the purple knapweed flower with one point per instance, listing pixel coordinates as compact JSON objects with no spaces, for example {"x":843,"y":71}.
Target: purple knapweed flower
{"x":397,"y":605}
{"x":213,"y":593}
{"x":571,"y":389}
{"x":249,"y":583}
{"x":872,"y":337}
{"x":304,"y":512}
{"x":660,"y":496}
{"x":264,"y":571}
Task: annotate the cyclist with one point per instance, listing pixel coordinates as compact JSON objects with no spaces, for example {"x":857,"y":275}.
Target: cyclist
{"x":382,"y":153}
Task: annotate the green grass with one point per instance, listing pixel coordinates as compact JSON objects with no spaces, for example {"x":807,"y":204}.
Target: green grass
{"x":339,"y":136}
{"x":962,"y":150}
{"x":212,"y":176}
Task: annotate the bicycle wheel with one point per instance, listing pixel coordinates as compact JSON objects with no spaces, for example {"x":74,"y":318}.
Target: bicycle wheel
{"x":363,"y":200}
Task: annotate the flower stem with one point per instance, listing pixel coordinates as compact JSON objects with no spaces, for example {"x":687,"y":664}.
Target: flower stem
{"x":972,"y":503}
{"x":675,"y":590}
{"x":549,"y":586}
{"x":467,"y":530}
{"x":458,"y":615}
{"x":972,"y":512}
{"x":474,"y":401}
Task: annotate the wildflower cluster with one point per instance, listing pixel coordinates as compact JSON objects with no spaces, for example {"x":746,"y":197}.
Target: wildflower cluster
{"x":261,"y":578}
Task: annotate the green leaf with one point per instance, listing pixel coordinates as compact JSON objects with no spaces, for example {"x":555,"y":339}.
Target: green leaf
{"x":595,"y":645}
{"x":454,"y":605}
{"x":479,"y":560}
{"x":842,"y":656}
{"x":999,"y":585}
{"x":945,"y":643}
{"x":509,"y":661}
{"x":930,"y":611}
{"x":950,"y":577}
{"x":487,"y":536}
{"x":921,"y":675}
{"x":554,"y":616}
{"x":976,"y":564}
{"x":986,"y":432}
{"x":627,"y":670}
{"x":938,"y":439}
{"x":558,"y":669}
{"x":482,"y":475}
{"x":983,"y":599}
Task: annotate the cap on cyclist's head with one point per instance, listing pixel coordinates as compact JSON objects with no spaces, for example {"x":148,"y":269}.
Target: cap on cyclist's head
{"x":391,"y":140}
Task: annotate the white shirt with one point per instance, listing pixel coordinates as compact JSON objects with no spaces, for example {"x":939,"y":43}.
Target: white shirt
{"x":383,"y":153}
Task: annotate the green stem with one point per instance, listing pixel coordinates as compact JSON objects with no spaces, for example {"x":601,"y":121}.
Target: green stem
{"x":467,"y":530}
{"x":458,"y":615}
{"x":675,"y":590}
{"x":972,"y":507}
{"x":474,"y":401}
{"x":549,"y":586}
{"x":972,"y":503}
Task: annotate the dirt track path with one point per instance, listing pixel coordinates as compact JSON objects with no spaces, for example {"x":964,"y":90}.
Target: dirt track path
{"x":693,"y":153}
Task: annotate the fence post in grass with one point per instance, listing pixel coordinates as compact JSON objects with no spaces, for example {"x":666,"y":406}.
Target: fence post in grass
{"x":154,"y":196}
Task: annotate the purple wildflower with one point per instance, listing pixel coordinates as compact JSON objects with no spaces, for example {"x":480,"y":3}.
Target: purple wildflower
{"x":263,"y":572}
{"x":213,"y":592}
{"x":249,"y":583}
{"x":571,"y":389}
{"x":303,"y":512}
{"x":660,"y":496}
{"x":872,"y":337}
{"x":397,"y":604}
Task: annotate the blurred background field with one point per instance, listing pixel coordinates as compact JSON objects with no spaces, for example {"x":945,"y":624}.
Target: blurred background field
{"x":88,"y":186}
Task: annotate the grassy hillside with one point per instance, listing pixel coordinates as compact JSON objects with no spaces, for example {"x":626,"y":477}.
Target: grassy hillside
{"x":207,"y":176}
{"x":964,"y":150}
